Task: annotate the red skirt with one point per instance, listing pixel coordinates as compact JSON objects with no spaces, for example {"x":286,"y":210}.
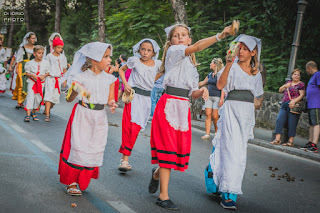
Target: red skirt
{"x":130,"y":131}
{"x":70,"y":173}
{"x":170,"y":148}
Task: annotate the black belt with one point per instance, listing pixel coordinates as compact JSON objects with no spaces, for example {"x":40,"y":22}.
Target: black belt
{"x":240,"y":95}
{"x":141,"y":91}
{"x":96,"y":106}
{"x":177,"y":91}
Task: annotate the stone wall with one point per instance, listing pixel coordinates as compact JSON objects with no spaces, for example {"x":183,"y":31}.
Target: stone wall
{"x":265,"y":117}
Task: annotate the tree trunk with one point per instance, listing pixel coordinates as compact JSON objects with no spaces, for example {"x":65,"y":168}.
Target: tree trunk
{"x":101,"y":21}
{"x":179,"y":11}
{"x":58,"y":16}
{"x":26,"y":15}
{"x":10,"y":37}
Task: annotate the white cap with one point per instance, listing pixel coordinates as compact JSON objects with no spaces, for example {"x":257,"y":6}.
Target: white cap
{"x":251,"y":42}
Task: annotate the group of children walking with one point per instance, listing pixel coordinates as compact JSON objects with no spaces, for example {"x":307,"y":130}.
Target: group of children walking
{"x":37,"y":74}
{"x":87,"y":130}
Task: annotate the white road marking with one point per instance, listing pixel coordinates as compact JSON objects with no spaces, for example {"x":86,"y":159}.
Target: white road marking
{"x":121,"y":207}
{"x":18,"y":128}
{"x":2,"y":117}
{"x":41,"y":146}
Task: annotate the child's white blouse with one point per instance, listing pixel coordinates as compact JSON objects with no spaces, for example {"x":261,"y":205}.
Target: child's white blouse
{"x":142,"y":76}
{"x":97,"y":85}
{"x":57,"y":63}
{"x":180,"y":71}
{"x":32,"y":68}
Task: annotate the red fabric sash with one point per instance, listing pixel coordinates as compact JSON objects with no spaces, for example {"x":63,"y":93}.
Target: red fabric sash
{"x":56,"y":85}
{"x":37,"y":87}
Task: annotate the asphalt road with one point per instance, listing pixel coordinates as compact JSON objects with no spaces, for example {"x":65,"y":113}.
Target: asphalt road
{"x":29,"y":154}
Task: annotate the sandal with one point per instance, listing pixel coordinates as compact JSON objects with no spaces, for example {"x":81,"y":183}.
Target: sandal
{"x":124,"y":166}
{"x":20,"y":106}
{"x":47,"y":119}
{"x":34,"y":117}
{"x":290,"y":144}
{"x":73,"y":191}
{"x":206,"y":137}
{"x":276,"y":142}
{"x":27,"y":118}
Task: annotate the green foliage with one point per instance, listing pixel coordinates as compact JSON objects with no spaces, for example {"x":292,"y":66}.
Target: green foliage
{"x":128,"y":21}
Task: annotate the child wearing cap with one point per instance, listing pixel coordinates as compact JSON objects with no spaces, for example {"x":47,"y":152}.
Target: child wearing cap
{"x":58,"y":66}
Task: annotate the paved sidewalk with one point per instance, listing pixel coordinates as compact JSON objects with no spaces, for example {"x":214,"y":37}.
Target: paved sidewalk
{"x":263,"y":138}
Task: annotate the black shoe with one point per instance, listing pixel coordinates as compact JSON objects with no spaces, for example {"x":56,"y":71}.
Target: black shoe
{"x":154,"y":184}
{"x":167,"y":204}
{"x":313,"y":148}
{"x":308,"y":145}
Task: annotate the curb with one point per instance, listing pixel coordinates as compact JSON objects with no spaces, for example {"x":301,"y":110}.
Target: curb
{"x":290,"y":150}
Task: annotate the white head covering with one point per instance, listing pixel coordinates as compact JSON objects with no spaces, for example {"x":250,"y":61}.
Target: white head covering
{"x":155,"y":46}
{"x":93,"y":50}
{"x":168,"y":29}
{"x":50,"y":40}
{"x":251,"y":42}
{"x":25,"y":39}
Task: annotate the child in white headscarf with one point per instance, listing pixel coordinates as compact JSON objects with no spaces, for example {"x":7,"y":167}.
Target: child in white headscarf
{"x":171,"y":123}
{"x":242,"y":81}
{"x":144,"y":65}
{"x":87,"y":130}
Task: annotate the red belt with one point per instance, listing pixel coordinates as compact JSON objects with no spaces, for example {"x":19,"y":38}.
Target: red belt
{"x":37,"y":87}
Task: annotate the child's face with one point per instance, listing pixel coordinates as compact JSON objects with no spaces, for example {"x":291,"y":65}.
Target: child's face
{"x":244,"y":53}
{"x":181,"y":37}
{"x":146,"y":51}
{"x":58,"y":49}
{"x":38,"y":55}
{"x":105,"y":61}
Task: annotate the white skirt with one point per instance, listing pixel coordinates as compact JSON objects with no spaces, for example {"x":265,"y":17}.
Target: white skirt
{"x":89,"y":133}
{"x":228,"y":161}
{"x":140,"y":110}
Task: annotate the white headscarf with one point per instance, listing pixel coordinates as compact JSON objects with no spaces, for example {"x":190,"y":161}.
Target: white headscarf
{"x":25,"y":39}
{"x":93,"y":50}
{"x":251,"y":42}
{"x":168,"y":29}
{"x":155,"y":46}
{"x":50,"y":40}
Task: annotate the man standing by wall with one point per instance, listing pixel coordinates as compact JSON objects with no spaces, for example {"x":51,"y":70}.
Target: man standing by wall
{"x":313,"y":100}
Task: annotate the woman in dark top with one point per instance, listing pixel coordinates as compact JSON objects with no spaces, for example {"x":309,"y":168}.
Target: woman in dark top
{"x":216,"y":97}
{"x":296,"y":88}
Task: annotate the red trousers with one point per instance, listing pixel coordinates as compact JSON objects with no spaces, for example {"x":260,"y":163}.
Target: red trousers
{"x":70,"y":173}
{"x":130,"y":131}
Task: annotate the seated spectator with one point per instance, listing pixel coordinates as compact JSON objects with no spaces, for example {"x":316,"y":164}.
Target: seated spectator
{"x":294,"y":91}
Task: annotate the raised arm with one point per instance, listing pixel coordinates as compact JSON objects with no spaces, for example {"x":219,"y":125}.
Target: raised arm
{"x":205,"y":43}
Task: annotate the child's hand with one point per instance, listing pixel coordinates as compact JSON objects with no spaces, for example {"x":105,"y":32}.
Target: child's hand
{"x":64,"y":84}
{"x":205,"y":93}
{"x":127,"y":89}
{"x":42,"y":77}
{"x":226,"y":32}
{"x":112,"y":105}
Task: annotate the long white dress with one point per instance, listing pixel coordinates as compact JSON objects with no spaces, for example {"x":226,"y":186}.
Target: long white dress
{"x":89,"y":131}
{"x":235,"y":128}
